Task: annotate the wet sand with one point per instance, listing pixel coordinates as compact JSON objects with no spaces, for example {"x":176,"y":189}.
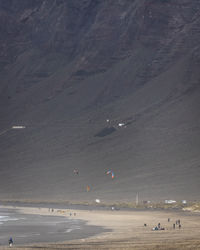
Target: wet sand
{"x":126,"y":230}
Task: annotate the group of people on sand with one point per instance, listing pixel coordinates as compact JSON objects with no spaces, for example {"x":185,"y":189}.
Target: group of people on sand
{"x":51,"y":210}
{"x":177,"y":224}
{"x":158,"y":227}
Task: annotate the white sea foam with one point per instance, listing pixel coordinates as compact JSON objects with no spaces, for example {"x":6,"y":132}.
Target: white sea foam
{"x":6,"y":218}
{"x":72,"y":229}
{"x":69,"y":230}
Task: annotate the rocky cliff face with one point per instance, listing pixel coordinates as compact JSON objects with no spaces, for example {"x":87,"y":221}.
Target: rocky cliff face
{"x":72,"y":71}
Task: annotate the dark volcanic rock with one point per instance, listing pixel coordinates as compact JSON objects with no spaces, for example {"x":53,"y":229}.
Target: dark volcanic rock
{"x":69,"y":69}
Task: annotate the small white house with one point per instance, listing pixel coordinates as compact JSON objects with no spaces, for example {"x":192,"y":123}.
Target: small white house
{"x":170,"y":201}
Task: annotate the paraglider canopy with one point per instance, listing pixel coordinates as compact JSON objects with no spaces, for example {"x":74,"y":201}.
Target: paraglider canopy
{"x":76,"y":171}
{"x":112,"y":173}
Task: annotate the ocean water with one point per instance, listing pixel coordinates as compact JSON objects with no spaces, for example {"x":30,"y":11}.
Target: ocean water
{"x":4,"y":219}
{"x":27,"y":229}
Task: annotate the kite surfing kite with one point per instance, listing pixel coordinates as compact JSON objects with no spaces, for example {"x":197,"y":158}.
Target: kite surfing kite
{"x":76,"y":171}
{"x":111,"y":172}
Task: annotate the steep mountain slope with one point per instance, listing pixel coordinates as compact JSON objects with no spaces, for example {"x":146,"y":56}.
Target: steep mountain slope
{"x":71,"y":71}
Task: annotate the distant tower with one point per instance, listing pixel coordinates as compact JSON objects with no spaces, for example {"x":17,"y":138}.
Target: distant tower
{"x":137,"y":199}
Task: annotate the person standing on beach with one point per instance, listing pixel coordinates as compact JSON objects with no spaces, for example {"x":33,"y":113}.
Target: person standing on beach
{"x":10,"y":242}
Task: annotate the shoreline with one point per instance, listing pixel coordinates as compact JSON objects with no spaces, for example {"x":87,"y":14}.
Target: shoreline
{"x":124,"y":228}
{"x":41,"y":226}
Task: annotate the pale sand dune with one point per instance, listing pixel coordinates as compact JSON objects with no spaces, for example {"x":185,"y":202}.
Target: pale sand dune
{"x":128,"y":231}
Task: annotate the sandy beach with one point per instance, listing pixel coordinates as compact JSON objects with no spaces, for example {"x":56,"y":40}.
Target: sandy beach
{"x":125,"y":229}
